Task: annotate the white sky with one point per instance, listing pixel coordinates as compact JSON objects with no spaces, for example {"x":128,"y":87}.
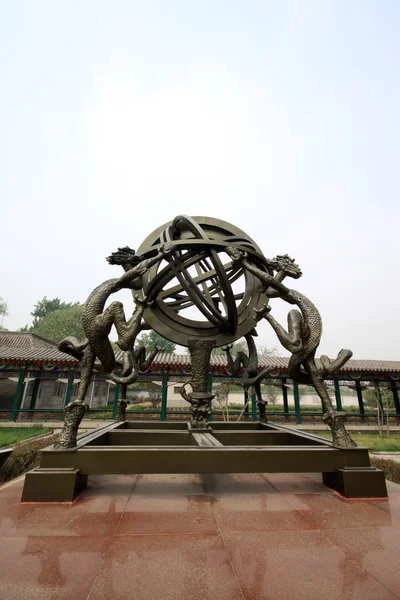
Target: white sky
{"x":282,"y":118}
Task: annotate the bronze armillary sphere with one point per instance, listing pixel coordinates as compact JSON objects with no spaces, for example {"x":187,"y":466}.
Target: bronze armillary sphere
{"x":204,"y":279}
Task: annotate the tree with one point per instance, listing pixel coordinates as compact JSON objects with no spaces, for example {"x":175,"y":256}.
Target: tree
{"x":370,"y":397}
{"x":61,"y":323}
{"x":272,"y":394}
{"x":239,"y":346}
{"x":154,"y":394}
{"x":152,"y":339}
{"x":3,"y":311}
{"x":45,"y":306}
{"x":266,"y":352}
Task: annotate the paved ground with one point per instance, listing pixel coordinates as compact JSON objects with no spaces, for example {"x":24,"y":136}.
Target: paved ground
{"x":213,"y":537}
{"x":387,"y":455}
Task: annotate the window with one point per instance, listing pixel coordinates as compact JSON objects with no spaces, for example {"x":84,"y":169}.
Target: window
{"x":177,"y":389}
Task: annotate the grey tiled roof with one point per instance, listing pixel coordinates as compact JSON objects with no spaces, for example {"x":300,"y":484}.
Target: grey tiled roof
{"x":24,"y":341}
{"x":18,"y":347}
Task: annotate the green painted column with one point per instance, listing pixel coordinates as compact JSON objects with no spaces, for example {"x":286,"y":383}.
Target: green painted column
{"x":164,"y":394}
{"x":378,"y":389}
{"x":253,"y":405}
{"x":116,"y":396}
{"x":396,"y":398}
{"x":246,"y":410}
{"x":338,"y":396}
{"x":35,"y":390}
{"x":18,"y":393}
{"x":360,"y":400}
{"x":285,"y":398}
{"x":209,"y":390}
{"x":70,"y":383}
{"x":296,"y":394}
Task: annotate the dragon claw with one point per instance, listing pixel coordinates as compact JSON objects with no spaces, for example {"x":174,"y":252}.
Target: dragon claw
{"x":227,"y":348}
{"x":77,"y":403}
{"x":259,"y":313}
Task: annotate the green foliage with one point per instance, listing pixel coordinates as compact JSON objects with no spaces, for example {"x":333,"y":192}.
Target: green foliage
{"x":45,"y":306}
{"x":61,"y":323}
{"x":370,"y":397}
{"x":239,"y":346}
{"x":152,"y":339}
{"x":272,"y":394}
{"x":3,"y":307}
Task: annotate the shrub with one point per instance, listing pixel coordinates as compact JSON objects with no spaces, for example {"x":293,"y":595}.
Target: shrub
{"x":25,"y":457}
{"x":390,"y":468}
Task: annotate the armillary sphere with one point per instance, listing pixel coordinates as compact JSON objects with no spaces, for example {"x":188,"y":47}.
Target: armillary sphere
{"x":198,"y":274}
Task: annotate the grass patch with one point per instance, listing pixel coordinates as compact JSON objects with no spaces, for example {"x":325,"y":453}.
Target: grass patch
{"x":372,"y":441}
{"x":13,"y":435}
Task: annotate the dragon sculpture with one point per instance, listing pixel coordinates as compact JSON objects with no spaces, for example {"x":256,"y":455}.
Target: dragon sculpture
{"x":303,"y":336}
{"x":97,"y":323}
{"x":250,"y":375}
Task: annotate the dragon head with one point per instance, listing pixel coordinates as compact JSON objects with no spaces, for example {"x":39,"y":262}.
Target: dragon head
{"x":284,"y":263}
{"x":125,"y":257}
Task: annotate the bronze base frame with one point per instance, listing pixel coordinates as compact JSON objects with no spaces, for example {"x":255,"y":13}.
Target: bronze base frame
{"x":135,"y":447}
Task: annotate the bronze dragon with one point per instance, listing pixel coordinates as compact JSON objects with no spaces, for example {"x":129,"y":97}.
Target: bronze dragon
{"x":250,"y":376}
{"x":303,"y":336}
{"x":97,"y":323}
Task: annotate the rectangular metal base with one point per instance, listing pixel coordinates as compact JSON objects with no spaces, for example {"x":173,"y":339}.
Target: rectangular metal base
{"x":53,"y":485}
{"x":366,"y":482}
{"x":133,"y":448}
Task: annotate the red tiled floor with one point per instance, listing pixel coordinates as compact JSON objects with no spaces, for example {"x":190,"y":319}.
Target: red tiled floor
{"x":333,"y":512}
{"x":11,"y":512}
{"x":168,"y":514}
{"x":290,"y":483}
{"x":49,"y":568}
{"x":169,"y":484}
{"x":258,"y":512}
{"x":375,"y":549}
{"x":248,"y":537}
{"x":89,"y":516}
{"x":237,"y":483}
{"x":173,"y":567}
{"x":298,"y":565}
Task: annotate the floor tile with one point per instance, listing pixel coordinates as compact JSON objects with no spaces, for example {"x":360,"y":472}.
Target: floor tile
{"x":333,"y":512}
{"x":168,"y":514}
{"x":297,"y":483}
{"x":88,"y":517}
{"x":11,"y":512}
{"x":168,"y":567}
{"x":375,"y":549}
{"x":298,"y":565}
{"x":392,"y":488}
{"x":237,"y":483}
{"x":257,"y":512}
{"x":110,"y":485}
{"x":44,"y":568}
{"x":169,"y":484}
{"x":13,"y":489}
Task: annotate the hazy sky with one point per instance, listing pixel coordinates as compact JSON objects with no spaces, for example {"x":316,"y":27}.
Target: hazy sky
{"x":280,"y":117}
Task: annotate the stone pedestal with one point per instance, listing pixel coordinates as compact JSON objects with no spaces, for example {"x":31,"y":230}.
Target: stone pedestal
{"x":53,"y":485}
{"x":357,"y":482}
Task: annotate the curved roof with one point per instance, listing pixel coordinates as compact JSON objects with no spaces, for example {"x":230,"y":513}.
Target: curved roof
{"x":20,"y":347}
